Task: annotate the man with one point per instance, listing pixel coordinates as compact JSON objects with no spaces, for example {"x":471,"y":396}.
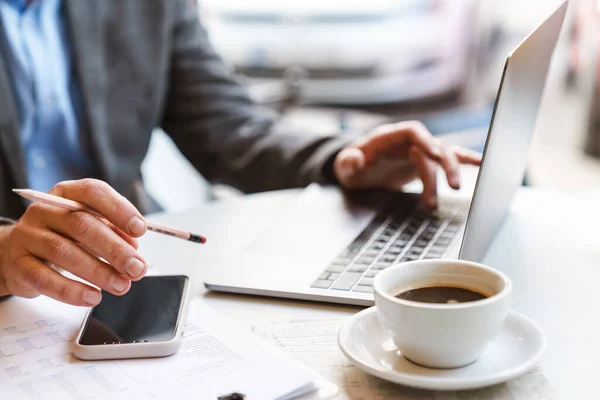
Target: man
{"x":82,"y":85}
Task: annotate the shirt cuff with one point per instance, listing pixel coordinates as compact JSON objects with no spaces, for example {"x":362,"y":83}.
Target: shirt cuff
{"x":4,"y":222}
{"x":7,"y":221}
{"x":320,"y":165}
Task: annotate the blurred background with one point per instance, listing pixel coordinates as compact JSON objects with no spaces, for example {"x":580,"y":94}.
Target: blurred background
{"x":345,"y":66}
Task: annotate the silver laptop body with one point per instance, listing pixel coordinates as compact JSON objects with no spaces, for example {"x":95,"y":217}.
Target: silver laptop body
{"x":328,"y":246}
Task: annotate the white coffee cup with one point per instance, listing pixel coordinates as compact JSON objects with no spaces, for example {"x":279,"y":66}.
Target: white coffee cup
{"x":442,"y":335}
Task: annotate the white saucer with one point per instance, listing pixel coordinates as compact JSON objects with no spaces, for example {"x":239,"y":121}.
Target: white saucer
{"x":515,"y":351}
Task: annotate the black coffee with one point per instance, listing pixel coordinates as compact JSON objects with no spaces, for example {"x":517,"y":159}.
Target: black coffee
{"x":441,"y":295}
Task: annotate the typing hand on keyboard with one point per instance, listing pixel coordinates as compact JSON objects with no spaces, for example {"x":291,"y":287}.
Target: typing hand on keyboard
{"x":396,"y":154}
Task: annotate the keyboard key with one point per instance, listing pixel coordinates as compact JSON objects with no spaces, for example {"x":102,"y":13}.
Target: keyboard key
{"x":363,"y":289}
{"x":371,"y":273}
{"x":347,"y":280}
{"x":370,"y":253}
{"x":324,"y":276}
{"x":366,"y":282}
{"x":349,"y":254}
{"x":432,"y":228}
{"x":443,"y":241}
{"x":392,"y":252}
{"x":381,"y":266}
{"x":435,"y":254}
{"x":412,"y":227}
{"x":336,"y":268}
{"x":426,"y":236}
{"x":376,"y":246}
{"x":387,"y":259}
{"x":321,"y":284}
{"x":333,"y":276}
{"x":366,"y":234}
{"x":364,"y":260}
{"x":358,"y":268}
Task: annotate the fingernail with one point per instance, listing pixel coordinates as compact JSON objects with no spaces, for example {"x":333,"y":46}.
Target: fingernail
{"x":134,"y":267}
{"x":91,"y":296}
{"x":118,"y":283}
{"x":137,"y":226}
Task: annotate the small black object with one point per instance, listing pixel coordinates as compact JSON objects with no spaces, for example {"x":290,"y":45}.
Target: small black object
{"x":233,"y":396}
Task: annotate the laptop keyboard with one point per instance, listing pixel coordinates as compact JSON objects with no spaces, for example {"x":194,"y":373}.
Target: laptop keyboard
{"x":407,"y":232}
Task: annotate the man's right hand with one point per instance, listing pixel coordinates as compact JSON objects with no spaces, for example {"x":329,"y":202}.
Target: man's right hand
{"x":47,"y":236}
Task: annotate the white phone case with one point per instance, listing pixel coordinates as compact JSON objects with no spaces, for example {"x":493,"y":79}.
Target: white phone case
{"x":135,"y":350}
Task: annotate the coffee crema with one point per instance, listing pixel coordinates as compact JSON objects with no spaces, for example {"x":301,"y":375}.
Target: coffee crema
{"x":441,"y":295}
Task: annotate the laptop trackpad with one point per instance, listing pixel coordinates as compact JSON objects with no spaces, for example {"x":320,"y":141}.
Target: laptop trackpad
{"x":319,"y":222}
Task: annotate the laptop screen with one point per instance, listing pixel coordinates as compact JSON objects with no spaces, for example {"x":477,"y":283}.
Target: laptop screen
{"x":513,"y":124}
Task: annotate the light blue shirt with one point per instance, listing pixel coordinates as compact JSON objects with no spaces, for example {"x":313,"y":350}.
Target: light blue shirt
{"x":53,"y":134}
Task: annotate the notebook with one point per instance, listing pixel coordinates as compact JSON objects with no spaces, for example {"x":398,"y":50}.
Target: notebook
{"x":217,"y":358}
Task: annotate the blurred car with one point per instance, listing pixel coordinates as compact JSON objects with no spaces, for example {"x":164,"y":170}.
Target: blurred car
{"x":347,"y":51}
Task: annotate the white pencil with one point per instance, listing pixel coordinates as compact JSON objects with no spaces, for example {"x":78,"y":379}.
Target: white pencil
{"x":71,"y":205}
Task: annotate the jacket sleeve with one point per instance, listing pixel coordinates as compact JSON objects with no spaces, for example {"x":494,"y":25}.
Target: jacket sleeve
{"x":214,"y":123}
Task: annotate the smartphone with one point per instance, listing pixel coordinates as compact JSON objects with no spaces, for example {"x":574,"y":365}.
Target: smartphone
{"x":147,"y":321}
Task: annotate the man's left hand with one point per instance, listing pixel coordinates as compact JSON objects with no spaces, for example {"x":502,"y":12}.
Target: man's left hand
{"x":393,"y":155}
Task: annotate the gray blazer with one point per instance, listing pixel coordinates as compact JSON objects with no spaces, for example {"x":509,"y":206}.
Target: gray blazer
{"x":143,"y":64}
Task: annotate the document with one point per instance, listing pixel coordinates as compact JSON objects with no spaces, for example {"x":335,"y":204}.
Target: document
{"x":314,"y":342}
{"x":216,"y":358}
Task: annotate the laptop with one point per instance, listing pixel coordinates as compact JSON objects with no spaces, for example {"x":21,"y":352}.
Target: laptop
{"x":328,"y":245}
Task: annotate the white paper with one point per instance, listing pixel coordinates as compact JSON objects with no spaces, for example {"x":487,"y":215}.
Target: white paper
{"x":314,"y":342}
{"x":216,"y":358}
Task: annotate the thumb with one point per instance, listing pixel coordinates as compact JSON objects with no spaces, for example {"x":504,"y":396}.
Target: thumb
{"x":348,"y":164}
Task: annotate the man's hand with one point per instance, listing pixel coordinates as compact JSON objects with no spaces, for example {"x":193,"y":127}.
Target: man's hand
{"x":46,"y":237}
{"x":393,"y":155}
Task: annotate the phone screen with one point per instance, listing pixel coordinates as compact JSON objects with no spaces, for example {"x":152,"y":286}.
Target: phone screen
{"x":149,"y":312}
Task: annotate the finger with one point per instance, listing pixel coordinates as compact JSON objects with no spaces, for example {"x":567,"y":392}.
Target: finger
{"x":467,"y":156}
{"x":393,"y":139}
{"x":84,"y":228}
{"x":106,"y":201}
{"x":132,"y":241}
{"x":348,"y":164}
{"x":52,"y":247}
{"x":90,"y":251}
{"x":427,"y":172}
{"x":451,"y":165}
{"x":48,"y":282}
